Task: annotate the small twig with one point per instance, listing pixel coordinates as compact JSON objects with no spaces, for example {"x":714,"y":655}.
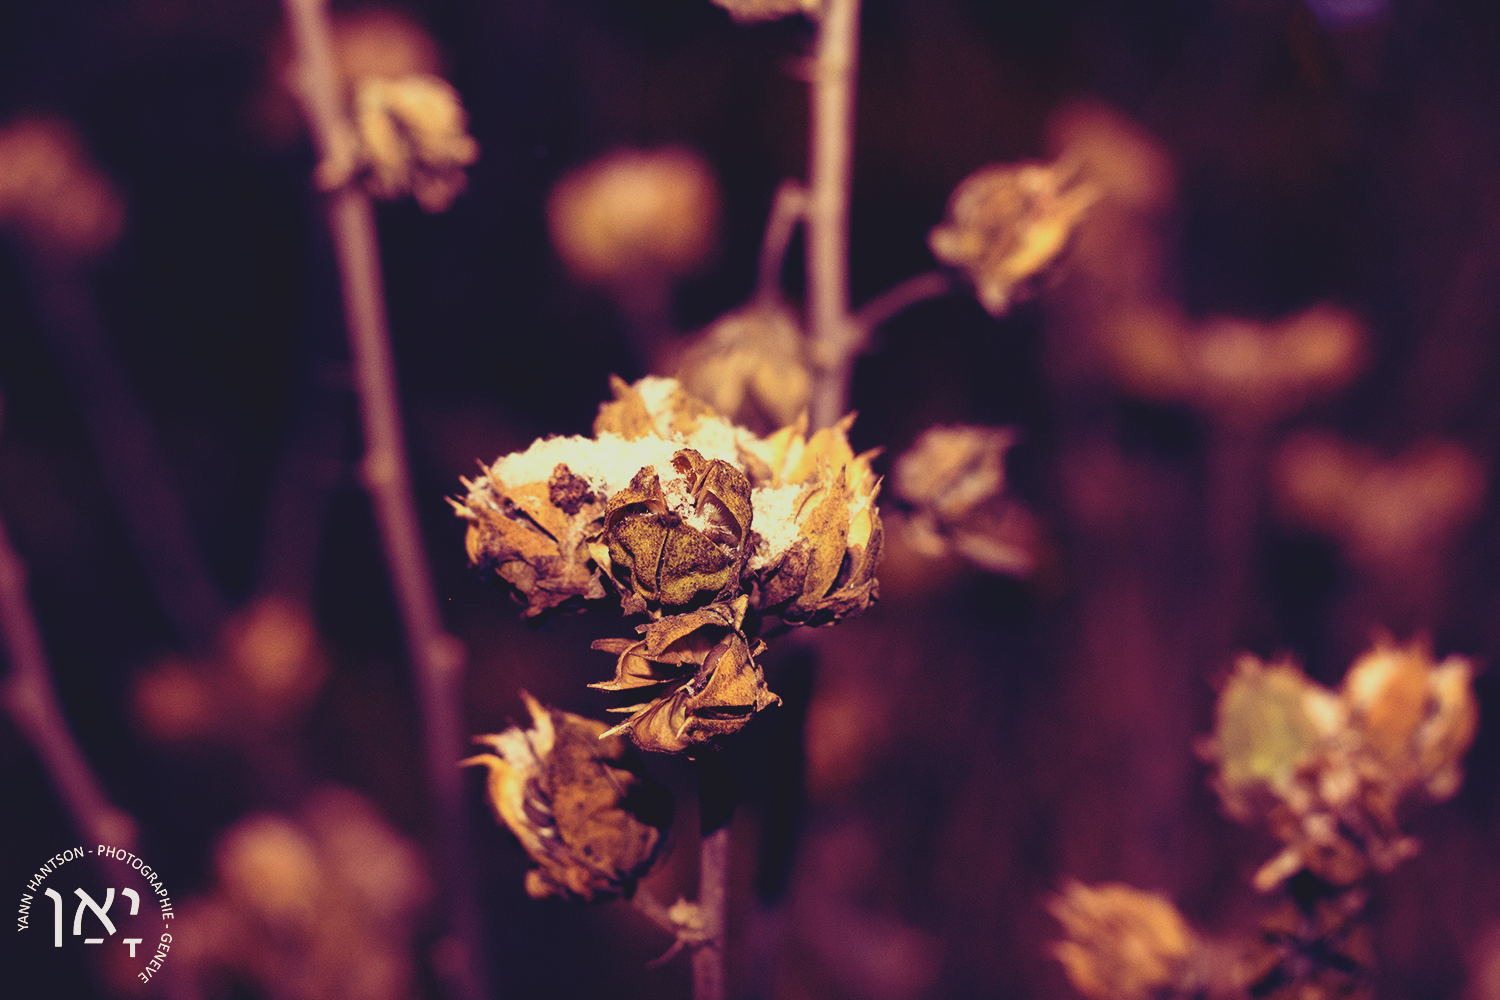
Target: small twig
{"x":831,"y":170}
{"x":437,"y":658}
{"x":787,"y":209}
{"x":901,"y":296}
{"x":31,"y":699}
{"x":717,"y":796}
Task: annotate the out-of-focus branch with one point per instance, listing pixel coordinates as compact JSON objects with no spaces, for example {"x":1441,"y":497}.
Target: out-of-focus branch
{"x":831,"y":170}
{"x":787,"y":209}
{"x":437,"y":658}
{"x":31,"y":700}
{"x":901,"y":296}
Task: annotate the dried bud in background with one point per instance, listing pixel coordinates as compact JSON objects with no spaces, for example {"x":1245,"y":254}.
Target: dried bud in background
{"x":1387,"y":514}
{"x":579,"y":803}
{"x":411,"y":139}
{"x":50,"y":193}
{"x":954,"y":478}
{"x":1329,"y":770}
{"x":674,"y":546}
{"x":272,"y":647}
{"x":699,"y":672}
{"x":1007,"y":225}
{"x":820,"y":531}
{"x":1236,"y":369}
{"x":751,"y":366}
{"x":747,"y":11}
{"x":534,"y":534}
{"x":1123,"y":944}
{"x":635,"y":215}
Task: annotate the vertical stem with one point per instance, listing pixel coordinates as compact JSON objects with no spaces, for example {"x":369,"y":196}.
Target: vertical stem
{"x":436,"y":657}
{"x":716,"y":800}
{"x":830,"y":172}
{"x":31,"y":699}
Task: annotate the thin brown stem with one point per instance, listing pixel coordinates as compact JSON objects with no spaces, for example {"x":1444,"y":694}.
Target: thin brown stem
{"x":437,"y":658}
{"x":31,"y":699}
{"x":787,"y":209}
{"x":917,"y":288}
{"x":830,"y":172}
{"x":717,"y":795}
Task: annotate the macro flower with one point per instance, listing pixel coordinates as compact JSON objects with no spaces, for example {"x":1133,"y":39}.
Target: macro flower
{"x":954,"y":480}
{"x":1007,"y":225}
{"x":699,"y":676}
{"x":411,"y":139}
{"x":575,"y":796}
{"x":751,"y":366}
{"x":1122,"y":943}
{"x":1329,"y":770}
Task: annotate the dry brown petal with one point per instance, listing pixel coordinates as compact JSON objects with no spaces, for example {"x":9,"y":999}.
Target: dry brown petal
{"x":1007,"y":225}
{"x":751,"y":366}
{"x":579,"y":802}
{"x":535,"y":536}
{"x":1123,"y":944}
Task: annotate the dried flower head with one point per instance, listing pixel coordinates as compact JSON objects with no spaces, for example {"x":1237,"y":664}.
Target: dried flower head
{"x":51,"y":194}
{"x":1388,"y":514}
{"x":1007,"y":225}
{"x":1329,"y":770}
{"x":635,"y":215}
{"x":746,"y":11}
{"x":411,"y":139}
{"x":1122,"y":943}
{"x":954,"y":479}
{"x":1238,"y":369}
{"x":751,"y":366}
{"x":577,"y":799}
{"x":699,"y":676}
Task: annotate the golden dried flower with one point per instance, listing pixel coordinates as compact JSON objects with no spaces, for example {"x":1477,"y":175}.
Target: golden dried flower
{"x":51,"y":194}
{"x":1387,"y":513}
{"x":954,"y":478}
{"x":411,"y":139}
{"x":751,"y":366}
{"x":1123,"y":944}
{"x":635,"y":215}
{"x":699,"y":673}
{"x":1007,"y":225}
{"x":747,"y":11}
{"x":1328,"y":770}
{"x":535,"y":533}
{"x":1238,"y":369}
{"x":577,"y":799}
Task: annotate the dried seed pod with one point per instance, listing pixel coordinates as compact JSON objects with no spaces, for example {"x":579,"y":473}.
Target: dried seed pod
{"x":535,"y":535}
{"x":676,"y":546}
{"x":751,"y":366}
{"x":1123,"y":944}
{"x":699,"y":672}
{"x":1007,"y":225}
{"x":412,"y":139}
{"x":577,"y":799}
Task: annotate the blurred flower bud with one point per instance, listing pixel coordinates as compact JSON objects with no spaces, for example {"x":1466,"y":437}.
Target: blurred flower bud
{"x":751,"y":366}
{"x":699,"y":672}
{"x":1237,"y":369}
{"x":173,"y":701}
{"x":51,"y":195}
{"x":746,"y":11}
{"x":954,"y":479}
{"x":578,"y":801}
{"x":1007,"y":225}
{"x":1122,"y":943}
{"x":1387,"y":514}
{"x":412,"y":139}
{"x":820,"y":531}
{"x":534,"y":535}
{"x":268,"y":865}
{"x":635,"y":215}
{"x":272,"y":646}
{"x":672,"y":547}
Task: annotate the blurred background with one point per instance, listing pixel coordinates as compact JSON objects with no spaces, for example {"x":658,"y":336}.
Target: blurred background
{"x":178,"y":448}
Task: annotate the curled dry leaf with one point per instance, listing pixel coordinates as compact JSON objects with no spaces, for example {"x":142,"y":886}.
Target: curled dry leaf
{"x":412,"y":139}
{"x":751,"y":366}
{"x":1328,"y":770}
{"x":577,"y":799}
{"x":1122,"y":943}
{"x":1007,"y":225}
{"x":954,"y":479}
{"x":699,"y":674}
